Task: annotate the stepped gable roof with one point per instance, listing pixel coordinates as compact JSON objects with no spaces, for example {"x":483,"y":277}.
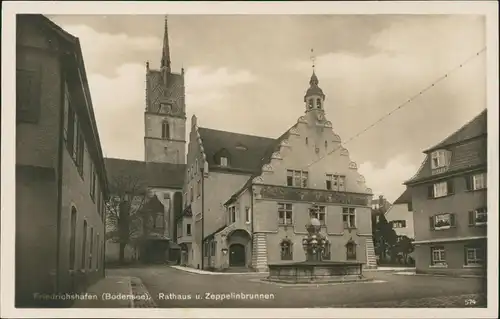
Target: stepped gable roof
{"x":468,"y":146}
{"x":145,"y":174}
{"x":243,"y":151}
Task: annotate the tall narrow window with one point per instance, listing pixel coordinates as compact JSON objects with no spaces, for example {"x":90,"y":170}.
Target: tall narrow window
{"x":92,"y":181}
{"x":84,"y":245}
{"x":98,"y":250}
{"x":247,"y":214}
{"x":72,"y":238}
{"x":223,"y":161}
{"x":232,"y":214}
{"x":91,"y":247}
{"x":318,"y":103}
{"x":188,"y":229}
{"x":199,"y":188}
{"x":165,"y":130}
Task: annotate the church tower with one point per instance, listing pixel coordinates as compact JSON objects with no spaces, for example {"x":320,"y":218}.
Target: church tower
{"x":165,"y":114}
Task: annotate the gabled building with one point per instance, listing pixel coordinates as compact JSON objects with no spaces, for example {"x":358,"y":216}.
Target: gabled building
{"x":61,"y":180}
{"x":449,"y":200}
{"x":250,"y":197}
{"x":400,"y":215}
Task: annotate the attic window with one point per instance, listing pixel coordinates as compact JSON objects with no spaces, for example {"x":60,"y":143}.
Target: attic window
{"x":222,"y":158}
{"x":438,"y":159}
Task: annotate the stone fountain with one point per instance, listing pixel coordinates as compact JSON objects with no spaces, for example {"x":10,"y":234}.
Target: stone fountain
{"x":314,"y":269}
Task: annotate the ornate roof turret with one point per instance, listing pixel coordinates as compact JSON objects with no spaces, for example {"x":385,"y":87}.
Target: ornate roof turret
{"x":314,"y":89}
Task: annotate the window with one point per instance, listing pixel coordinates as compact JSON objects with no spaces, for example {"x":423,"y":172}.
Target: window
{"x":438,"y":159}
{"x":98,"y":248}
{"x":474,"y":256}
{"x":191,"y":194}
{"x":399,"y":224}
{"x":326,"y":144}
{"x":199,"y":188}
{"x":92,"y":181}
{"x":442,"y":221}
{"x":188,"y":173}
{"x":188,"y":229}
{"x":438,"y":256}
{"x":28,"y":88}
{"x":206,"y":249}
{"x":318,"y":103}
{"x":349,"y":217}
{"x":196,"y":167}
{"x":192,"y":171}
{"x":335,"y":182}
{"x":310,"y":103}
{"x":232,"y":214}
{"x":247,"y":214}
{"x":91,"y":247}
{"x":319,"y":212}
{"x":72,"y":239}
{"x":476,"y":182}
{"x":213,"y":247}
{"x":478,"y":217}
{"x":285,"y":214}
{"x":297,"y":178}
{"x":286,"y":250}
{"x":307,"y":140}
{"x":440,"y":189}
{"x":350,"y":250}
{"x":165,"y":131}
{"x":223,"y":161}
{"x":80,"y":150}
{"x":84,"y":245}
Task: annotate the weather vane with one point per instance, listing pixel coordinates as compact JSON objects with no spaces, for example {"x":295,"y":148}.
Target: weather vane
{"x":313,"y":58}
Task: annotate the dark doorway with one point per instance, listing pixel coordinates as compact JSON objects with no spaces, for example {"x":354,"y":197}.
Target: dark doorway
{"x":237,"y":255}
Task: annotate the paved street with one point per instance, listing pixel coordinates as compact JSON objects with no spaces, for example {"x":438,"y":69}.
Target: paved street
{"x":170,"y":287}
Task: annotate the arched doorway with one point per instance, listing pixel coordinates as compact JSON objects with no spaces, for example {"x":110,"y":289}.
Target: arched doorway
{"x":237,"y":255}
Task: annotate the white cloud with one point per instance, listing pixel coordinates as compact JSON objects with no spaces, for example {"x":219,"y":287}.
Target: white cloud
{"x":99,"y":48}
{"x":119,"y":100}
{"x":388,"y":180}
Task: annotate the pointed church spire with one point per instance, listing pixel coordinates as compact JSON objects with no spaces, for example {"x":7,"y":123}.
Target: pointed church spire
{"x":165,"y":57}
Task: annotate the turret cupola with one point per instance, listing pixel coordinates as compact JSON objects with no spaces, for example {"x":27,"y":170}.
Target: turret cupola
{"x":314,"y":97}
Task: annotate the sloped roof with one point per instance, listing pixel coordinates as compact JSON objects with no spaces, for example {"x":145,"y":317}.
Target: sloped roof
{"x":248,"y":160}
{"x":476,"y":127}
{"x":146,"y":174}
{"x":468,"y":146}
{"x":404,"y":198}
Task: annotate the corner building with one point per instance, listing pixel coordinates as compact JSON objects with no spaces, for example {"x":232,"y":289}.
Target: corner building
{"x":250,"y":197}
{"x":449,"y":199}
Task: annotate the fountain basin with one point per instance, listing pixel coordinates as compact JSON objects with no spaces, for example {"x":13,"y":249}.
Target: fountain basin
{"x":316,"y":272}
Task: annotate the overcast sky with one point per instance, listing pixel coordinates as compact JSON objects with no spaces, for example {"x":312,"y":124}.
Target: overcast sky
{"x":248,"y":74}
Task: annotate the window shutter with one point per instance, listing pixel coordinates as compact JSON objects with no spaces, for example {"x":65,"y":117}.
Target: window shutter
{"x":430,"y":191}
{"x":471,"y":218}
{"x":449,"y":187}
{"x":468,"y":182}
{"x":452,"y":220}
{"x":431,"y":222}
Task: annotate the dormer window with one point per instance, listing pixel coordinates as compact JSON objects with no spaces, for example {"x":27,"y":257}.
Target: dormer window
{"x":223,"y":161}
{"x":438,"y":159}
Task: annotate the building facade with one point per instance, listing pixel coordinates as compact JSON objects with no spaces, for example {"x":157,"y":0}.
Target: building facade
{"x":250,"y":197}
{"x":400,"y":215}
{"x":61,"y":181}
{"x":449,"y":199}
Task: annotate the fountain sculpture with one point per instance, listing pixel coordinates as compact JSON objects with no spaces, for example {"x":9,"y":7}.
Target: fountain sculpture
{"x":314,"y":269}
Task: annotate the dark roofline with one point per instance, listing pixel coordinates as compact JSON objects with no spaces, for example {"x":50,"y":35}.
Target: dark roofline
{"x":442,"y":144}
{"x":445,"y":175}
{"x":403,"y":198}
{"x":234,"y":133}
{"x":74,"y":43}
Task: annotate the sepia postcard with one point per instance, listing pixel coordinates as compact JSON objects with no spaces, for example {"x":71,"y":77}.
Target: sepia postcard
{"x":250,"y":159}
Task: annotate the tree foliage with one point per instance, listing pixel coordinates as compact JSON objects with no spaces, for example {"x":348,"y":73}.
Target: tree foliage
{"x":125,"y":213}
{"x":384,"y":236}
